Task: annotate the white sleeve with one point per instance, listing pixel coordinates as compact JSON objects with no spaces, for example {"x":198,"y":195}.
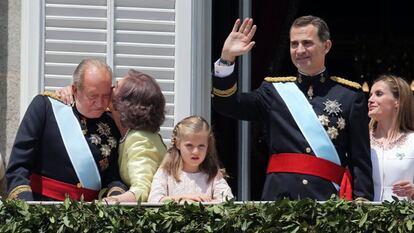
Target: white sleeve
{"x":221,"y":190}
{"x":222,"y":71}
{"x":159,"y":186}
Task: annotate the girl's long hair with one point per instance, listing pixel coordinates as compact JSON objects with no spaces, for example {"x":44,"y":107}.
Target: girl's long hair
{"x":173,"y":163}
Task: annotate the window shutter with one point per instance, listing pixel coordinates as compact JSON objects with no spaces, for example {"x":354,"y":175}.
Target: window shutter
{"x":72,"y":32}
{"x":126,"y":33}
{"x":144,"y":39}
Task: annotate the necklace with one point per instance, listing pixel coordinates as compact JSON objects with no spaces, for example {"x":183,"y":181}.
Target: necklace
{"x":125,"y":135}
{"x":386,"y":143}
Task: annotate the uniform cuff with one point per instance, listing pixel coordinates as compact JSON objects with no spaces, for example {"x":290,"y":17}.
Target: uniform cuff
{"x":222,"y":71}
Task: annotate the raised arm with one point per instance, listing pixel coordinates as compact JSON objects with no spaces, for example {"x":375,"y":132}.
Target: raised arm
{"x":239,"y":40}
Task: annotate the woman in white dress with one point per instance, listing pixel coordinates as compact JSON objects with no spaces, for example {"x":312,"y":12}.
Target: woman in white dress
{"x":391,"y":108}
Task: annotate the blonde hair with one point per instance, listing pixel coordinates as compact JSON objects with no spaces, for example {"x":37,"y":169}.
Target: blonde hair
{"x":173,"y":163}
{"x":402,"y":92}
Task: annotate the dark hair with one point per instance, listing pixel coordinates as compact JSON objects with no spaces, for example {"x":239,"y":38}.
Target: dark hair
{"x":140,"y":102}
{"x":173,"y":163}
{"x":320,"y":24}
{"x":84,"y":65}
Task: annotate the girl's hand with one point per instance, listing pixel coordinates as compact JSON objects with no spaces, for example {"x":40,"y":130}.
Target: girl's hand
{"x":193,"y":197}
{"x":403,"y":188}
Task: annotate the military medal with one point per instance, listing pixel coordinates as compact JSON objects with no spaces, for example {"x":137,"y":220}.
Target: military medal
{"x":105,"y":150}
{"x":340,"y":123}
{"x":104,"y":129}
{"x":95,"y":139}
{"x":332,"y":132}
{"x":332,"y":107}
{"x":310,"y":92}
{"x":324,"y":120}
{"x":112,"y":142}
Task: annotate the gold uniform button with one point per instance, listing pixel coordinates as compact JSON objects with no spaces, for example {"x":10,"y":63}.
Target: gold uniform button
{"x":308,"y":150}
{"x":79,"y":185}
{"x":305,"y":182}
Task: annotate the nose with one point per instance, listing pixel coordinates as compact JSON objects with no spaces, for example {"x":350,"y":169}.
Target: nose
{"x":102,"y":102}
{"x":300,"y":48}
{"x":371,"y":99}
{"x":195,"y":150}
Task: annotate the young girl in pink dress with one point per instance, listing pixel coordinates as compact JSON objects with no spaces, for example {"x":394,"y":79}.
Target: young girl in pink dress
{"x":190,"y":171}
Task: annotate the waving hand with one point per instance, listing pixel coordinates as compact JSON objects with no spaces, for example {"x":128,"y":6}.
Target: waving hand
{"x":239,"y":40}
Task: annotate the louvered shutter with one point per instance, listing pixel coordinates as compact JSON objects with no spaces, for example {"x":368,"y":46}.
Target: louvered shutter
{"x":73,"y":30}
{"x":144,"y":38}
{"x":125,"y":33}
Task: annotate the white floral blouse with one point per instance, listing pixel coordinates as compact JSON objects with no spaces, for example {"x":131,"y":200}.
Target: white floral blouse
{"x":165,"y":185}
{"x":390,"y":164}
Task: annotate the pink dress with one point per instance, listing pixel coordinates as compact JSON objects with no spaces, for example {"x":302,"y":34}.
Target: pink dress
{"x":165,"y":185}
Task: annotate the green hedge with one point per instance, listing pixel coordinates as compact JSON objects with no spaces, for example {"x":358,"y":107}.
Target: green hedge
{"x":279,"y":216}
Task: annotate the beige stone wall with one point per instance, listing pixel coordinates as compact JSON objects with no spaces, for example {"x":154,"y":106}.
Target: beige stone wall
{"x":9,"y":75}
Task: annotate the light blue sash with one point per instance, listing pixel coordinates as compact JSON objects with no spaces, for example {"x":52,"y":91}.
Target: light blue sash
{"x":78,"y":150}
{"x":307,"y":121}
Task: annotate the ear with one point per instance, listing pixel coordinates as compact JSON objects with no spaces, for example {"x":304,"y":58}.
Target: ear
{"x":74,"y":89}
{"x":178,"y":144}
{"x":397,"y":104}
{"x":327,"y":45}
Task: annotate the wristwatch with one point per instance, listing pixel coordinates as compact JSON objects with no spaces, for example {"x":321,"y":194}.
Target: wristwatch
{"x":225,"y":62}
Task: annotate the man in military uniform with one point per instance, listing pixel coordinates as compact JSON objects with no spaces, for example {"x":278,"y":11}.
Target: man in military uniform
{"x":317,"y":123}
{"x":63,"y":150}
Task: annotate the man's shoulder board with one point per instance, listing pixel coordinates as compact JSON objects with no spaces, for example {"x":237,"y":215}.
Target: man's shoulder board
{"x":280,"y":79}
{"x":346,"y":82}
{"x":52,"y":95}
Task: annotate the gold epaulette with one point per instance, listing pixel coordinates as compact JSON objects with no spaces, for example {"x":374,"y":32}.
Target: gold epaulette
{"x":52,"y":95}
{"x":225,"y":93}
{"x":280,"y":79}
{"x":19,"y":189}
{"x":346,"y":82}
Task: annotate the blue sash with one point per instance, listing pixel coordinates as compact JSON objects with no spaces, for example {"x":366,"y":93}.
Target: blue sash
{"x":76,"y":146}
{"x":307,"y":121}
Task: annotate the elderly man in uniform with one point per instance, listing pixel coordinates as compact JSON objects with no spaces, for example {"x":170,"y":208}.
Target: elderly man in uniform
{"x":317,"y":123}
{"x":63,"y":150}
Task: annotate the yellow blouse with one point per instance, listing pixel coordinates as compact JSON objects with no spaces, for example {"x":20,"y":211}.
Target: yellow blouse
{"x":140,"y":155}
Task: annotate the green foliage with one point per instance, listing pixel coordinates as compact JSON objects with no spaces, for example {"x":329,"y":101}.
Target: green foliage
{"x":279,"y":216}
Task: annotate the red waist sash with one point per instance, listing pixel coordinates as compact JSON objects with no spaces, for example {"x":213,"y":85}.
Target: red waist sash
{"x":312,"y":165}
{"x":58,"y":190}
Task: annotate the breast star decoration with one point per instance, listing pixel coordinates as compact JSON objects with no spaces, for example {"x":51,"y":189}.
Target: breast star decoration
{"x":332,"y":132}
{"x":95,"y":139}
{"x":103,"y":136}
{"x":332,"y":109}
{"x":112,"y":142}
{"x":104,"y":129}
{"x":340,"y":123}
{"x":324,"y":120}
